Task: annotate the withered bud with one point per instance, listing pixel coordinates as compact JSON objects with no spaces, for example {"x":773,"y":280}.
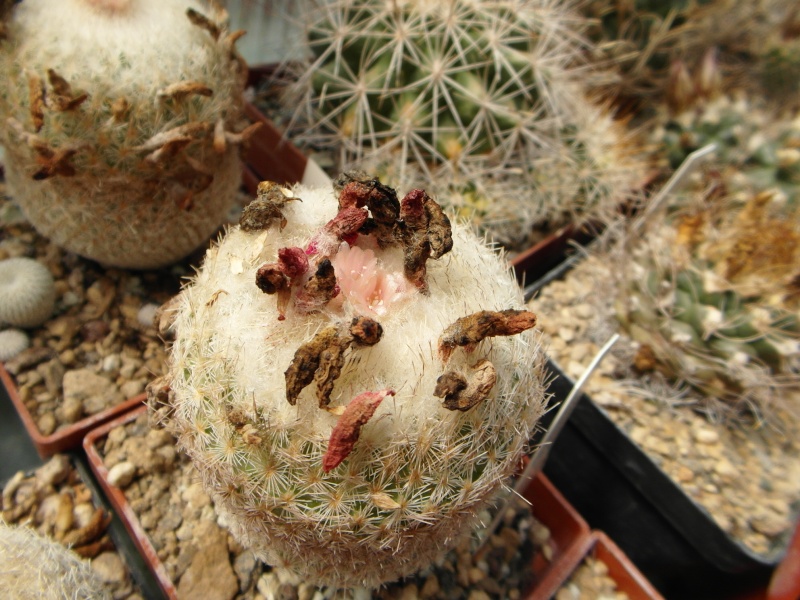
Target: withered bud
{"x":183,"y":89}
{"x":270,"y":278}
{"x":366,"y":331}
{"x":62,"y":98}
{"x":203,"y":22}
{"x":266,"y":208}
{"x":319,"y":289}
{"x":293,"y":261}
{"x":462,"y":393}
{"x":425,"y":232}
{"x":347,"y":430}
{"x":322,"y":358}
{"x":681,"y":92}
{"x":470,"y":330}
{"x":54,"y":162}
{"x":346,"y":223}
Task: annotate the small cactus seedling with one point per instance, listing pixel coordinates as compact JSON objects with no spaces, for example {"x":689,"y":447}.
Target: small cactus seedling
{"x":27,"y":292}
{"x":352,"y":382}
{"x":120,"y":121}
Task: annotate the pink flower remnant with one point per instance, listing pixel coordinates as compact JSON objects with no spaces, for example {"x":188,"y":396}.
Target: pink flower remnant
{"x":365,"y":284}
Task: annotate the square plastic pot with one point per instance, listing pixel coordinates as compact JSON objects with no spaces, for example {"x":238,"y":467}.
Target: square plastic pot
{"x":66,"y":438}
{"x":620,"y":490}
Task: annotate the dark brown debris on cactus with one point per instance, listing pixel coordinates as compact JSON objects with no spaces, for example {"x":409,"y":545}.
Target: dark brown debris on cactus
{"x":279,"y":277}
{"x":36,"y":101}
{"x":470,"y":330}
{"x":357,"y":189}
{"x":320,"y":289}
{"x":321,"y":359}
{"x":425,"y":233}
{"x":464,"y":392}
{"x":62,"y":98}
{"x":203,"y":22}
{"x":267,"y":208}
{"x":347,"y":430}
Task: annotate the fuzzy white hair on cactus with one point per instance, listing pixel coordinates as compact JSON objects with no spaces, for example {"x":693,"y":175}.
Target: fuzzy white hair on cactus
{"x":351,"y":440}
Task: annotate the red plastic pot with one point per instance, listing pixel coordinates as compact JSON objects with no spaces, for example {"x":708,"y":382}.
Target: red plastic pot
{"x":66,"y":438}
{"x":121,"y":506}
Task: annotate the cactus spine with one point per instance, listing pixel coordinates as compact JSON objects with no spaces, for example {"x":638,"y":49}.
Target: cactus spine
{"x":481,"y":99}
{"x":119,"y":121}
{"x":412,"y":482}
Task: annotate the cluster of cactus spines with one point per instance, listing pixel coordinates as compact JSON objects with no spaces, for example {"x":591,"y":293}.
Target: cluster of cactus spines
{"x":352,"y":439}
{"x":719,"y":312}
{"x":121,"y":124}
{"x":462,"y":94}
{"x":38,"y":568}
{"x":27,"y":292}
{"x":712,"y":292}
{"x":438,"y":82}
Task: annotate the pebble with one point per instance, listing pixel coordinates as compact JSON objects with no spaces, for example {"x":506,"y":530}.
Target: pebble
{"x":121,"y":474}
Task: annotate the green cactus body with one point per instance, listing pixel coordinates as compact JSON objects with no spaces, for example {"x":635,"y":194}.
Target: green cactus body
{"x":718,"y":308}
{"x":117,"y":119}
{"x":482,"y":100}
{"x":418,"y":473}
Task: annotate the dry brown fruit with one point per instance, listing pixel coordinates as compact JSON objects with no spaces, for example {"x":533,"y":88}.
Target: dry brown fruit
{"x":470,"y":330}
{"x":462,"y":393}
{"x":322,"y":358}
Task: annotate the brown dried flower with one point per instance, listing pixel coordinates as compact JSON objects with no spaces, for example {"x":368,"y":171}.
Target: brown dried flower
{"x":425,"y":233}
{"x":61,"y":97}
{"x":347,"y":430}
{"x":266,"y":208}
{"x":470,"y":330}
{"x":462,"y":393}
{"x":318,"y":290}
{"x":322,"y":358}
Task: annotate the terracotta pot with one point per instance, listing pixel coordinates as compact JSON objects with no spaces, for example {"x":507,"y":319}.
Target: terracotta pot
{"x":68,"y":437}
{"x":569,"y":534}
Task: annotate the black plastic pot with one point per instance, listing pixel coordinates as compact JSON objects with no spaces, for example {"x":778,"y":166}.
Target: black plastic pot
{"x":620,"y":490}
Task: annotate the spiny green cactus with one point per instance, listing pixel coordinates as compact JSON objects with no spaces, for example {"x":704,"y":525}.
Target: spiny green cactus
{"x":464,"y":94}
{"x":118,"y":119}
{"x":712,"y":291}
{"x":309,"y":478}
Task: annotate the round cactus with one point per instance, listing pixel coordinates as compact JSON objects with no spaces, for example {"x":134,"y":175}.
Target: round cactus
{"x":38,"y":568}
{"x":119,"y":121}
{"x":350,"y":404}
{"x":27,"y":292}
{"x":711,"y":292}
{"x":12,"y":342}
{"x":471,"y":97}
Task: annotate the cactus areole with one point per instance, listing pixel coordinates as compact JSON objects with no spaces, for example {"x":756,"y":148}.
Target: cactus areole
{"x":120,"y":122}
{"x":353,"y":381}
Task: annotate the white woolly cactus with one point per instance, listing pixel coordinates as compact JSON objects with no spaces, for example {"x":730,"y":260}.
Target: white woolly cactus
{"x":119,"y":121}
{"x":314,"y":411}
{"x":27,"y":292}
{"x":37,"y":568}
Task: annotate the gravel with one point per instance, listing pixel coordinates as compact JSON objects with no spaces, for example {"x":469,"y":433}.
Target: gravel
{"x":748,"y":479}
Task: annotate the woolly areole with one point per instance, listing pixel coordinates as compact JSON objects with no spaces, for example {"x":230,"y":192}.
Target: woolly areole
{"x":414,"y":473}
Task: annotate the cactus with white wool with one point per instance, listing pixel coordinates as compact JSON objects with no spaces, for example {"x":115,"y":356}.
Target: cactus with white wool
{"x":354,"y":379}
{"x":121,"y":124}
